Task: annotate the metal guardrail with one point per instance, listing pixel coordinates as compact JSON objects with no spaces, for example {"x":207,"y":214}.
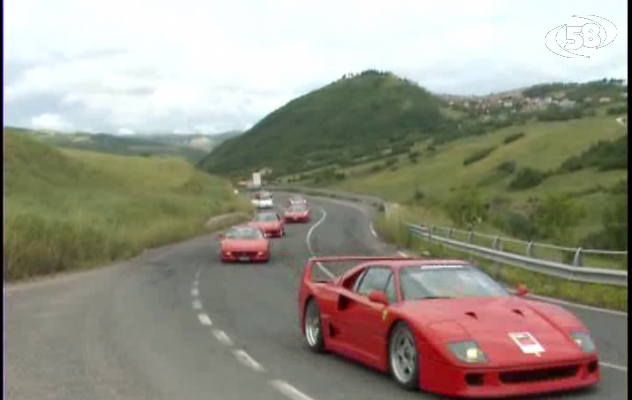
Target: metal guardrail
{"x":574,"y":272}
{"x":550,"y":268}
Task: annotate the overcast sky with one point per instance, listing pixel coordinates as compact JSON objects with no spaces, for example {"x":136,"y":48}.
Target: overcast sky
{"x":209,"y":65}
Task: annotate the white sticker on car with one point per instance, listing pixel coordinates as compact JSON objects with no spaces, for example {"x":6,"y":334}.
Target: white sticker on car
{"x":527,"y":343}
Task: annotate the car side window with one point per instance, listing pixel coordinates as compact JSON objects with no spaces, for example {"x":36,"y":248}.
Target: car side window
{"x":375,"y":278}
{"x":391,"y":290}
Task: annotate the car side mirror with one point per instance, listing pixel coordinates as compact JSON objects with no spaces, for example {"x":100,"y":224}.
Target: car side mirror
{"x":378,"y":297}
{"x":522,"y":290}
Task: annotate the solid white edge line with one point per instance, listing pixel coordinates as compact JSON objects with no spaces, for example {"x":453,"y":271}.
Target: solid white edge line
{"x":247,"y":360}
{"x":222,"y":337}
{"x":309,"y":244}
{"x":204,"y":319}
{"x":289,"y":390}
{"x":570,"y":304}
{"x":372,"y":230}
{"x":194,"y":292}
{"x":613,"y":366}
{"x":197,"y":304}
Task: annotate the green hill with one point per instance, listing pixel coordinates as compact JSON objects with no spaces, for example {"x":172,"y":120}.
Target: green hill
{"x":192,"y":147}
{"x":69,"y":209}
{"x":351,"y":120}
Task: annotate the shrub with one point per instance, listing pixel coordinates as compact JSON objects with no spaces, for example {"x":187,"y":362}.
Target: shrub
{"x":513,"y":137}
{"x":507,"y":167}
{"x":419,"y":195}
{"x":527,"y":178}
{"x":478,"y":155}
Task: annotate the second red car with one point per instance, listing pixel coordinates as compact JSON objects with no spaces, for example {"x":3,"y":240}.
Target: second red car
{"x":270,"y":223}
{"x":297,"y":213}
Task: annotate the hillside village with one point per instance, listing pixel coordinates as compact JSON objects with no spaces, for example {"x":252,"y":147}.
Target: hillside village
{"x":523,"y":101}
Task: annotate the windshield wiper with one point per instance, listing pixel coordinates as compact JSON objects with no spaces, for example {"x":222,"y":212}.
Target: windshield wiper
{"x":435,"y":297}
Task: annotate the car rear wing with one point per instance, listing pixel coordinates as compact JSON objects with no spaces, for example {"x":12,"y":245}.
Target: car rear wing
{"x":326,"y":274}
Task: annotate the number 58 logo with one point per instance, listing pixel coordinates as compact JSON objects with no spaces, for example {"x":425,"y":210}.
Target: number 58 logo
{"x":597,"y":33}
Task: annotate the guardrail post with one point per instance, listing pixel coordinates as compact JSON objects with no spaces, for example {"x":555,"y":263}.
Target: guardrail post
{"x":470,"y":237}
{"x":577,"y":260}
{"x":530,"y":249}
{"x":449,"y":233}
{"x":497,"y":245}
{"x":431,"y":232}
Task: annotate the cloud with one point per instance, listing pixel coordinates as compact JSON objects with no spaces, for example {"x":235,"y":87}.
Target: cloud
{"x":50,"y":121}
{"x":223,"y":65}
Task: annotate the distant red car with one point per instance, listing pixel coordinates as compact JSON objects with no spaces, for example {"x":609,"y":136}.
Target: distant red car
{"x":270,"y":223}
{"x":244,"y":243}
{"x":445,"y":327}
{"x":297,"y":213}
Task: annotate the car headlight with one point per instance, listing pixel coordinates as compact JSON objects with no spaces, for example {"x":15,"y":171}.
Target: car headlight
{"x":468,"y":352}
{"x":583,"y":341}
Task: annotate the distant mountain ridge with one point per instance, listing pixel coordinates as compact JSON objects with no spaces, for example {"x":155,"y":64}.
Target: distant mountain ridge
{"x":192,"y":147}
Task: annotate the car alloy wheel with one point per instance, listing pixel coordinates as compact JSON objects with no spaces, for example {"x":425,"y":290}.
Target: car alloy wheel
{"x":313,"y":327}
{"x":403,"y":357}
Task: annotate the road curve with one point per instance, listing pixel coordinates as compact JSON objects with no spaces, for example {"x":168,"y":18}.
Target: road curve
{"x":176,"y":324}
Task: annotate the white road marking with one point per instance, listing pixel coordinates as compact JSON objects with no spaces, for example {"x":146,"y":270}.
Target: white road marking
{"x":309,"y":245}
{"x":222,"y":337}
{"x":204,"y":319}
{"x":289,"y":390}
{"x":248,"y":361}
{"x":197,"y":304}
{"x":613,"y":366}
{"x":372,"y":230}
{"x":194,"y":292}
{"x":570,"y":304}
{"x":195,"y":283}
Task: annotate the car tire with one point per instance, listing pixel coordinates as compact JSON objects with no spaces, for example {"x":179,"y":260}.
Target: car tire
{"x":313,"y":327}
{"x":403,"y":357}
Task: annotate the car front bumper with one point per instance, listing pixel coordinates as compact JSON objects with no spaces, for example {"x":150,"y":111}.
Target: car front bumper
{"x":473,"y":382}
{"x":244,"y":257}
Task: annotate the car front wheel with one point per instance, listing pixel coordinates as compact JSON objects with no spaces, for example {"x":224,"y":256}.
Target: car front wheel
{"x":313,"y":327}
{"x":403,"y":357}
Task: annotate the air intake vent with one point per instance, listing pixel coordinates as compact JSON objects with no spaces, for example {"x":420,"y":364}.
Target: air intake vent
{"x":518,"y":312}
{"x":471,"y":314}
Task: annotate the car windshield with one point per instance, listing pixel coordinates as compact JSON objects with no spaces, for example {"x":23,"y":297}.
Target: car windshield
{"x":297,"y":208}
{"x":297,"y":200}
{"x":447,"y":281}
{"x":263,"y":196}
{"x":266,"y":217}
{"x":244,"y":233}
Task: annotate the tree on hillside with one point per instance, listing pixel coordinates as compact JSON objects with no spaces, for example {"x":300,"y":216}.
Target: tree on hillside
{"x":557,"y":216}
{"x":466,"y":208}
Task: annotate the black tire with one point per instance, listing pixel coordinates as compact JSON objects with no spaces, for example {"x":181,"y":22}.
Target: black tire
{"x":317,"y":343}
{"x":411,"y":382}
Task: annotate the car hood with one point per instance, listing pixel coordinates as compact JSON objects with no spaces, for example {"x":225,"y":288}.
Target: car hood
{"x":490,"y":321}
{"x":244,"y":245}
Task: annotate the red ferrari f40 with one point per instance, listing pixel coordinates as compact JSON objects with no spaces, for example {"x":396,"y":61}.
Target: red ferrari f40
{"x":446,"y":327}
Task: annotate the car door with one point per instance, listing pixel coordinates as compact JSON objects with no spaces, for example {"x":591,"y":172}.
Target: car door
{"x":360,"y":319}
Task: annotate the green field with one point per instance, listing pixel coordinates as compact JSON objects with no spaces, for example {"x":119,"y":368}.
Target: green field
{"x":70,"y":209}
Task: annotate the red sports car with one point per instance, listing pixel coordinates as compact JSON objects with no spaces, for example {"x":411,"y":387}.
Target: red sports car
{"x":297,"y":213}
{"x":244,"y":243}
{"x":445,"y":327}
{"x":270,"y":223}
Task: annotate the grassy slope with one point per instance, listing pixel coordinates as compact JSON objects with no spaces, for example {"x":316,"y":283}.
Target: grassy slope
{"x":69,"y":209}
{"x":545,"y":146}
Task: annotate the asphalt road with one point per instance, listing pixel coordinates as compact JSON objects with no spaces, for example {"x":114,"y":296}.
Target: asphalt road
{"x":174,"y":323}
